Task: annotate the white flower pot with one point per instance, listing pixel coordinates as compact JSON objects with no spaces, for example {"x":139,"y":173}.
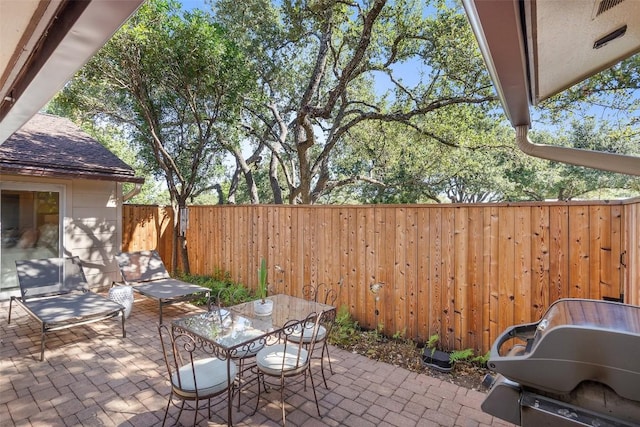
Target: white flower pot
{"x":262,"y":308}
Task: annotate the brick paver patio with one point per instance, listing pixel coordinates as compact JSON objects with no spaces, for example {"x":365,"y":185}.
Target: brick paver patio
{"x":91,"y":376}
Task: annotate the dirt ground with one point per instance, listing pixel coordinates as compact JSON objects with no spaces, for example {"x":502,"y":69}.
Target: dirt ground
{"x":404,"y":353}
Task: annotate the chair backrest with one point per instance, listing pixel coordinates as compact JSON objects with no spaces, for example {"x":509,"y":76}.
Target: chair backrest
{"x":296,"y":328}
{"x":177,"y":350}
{"x":141,"y":266}
{"x":50,"y":276}
{"x":322,"y":293}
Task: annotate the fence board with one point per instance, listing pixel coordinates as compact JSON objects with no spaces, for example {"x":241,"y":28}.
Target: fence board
{"x":540,"y":260}
{"x":618,"y":246}
{"x":461,"y":265}
{"x":411,"y":273}
{"x":475,"y":306}
{"x":422,"y":279}
{"x":464,"y":272}
{"x":447,"y":337}
{"x":579,"y":247}
{"x":522,"y":265}
{"x":435,"y":286}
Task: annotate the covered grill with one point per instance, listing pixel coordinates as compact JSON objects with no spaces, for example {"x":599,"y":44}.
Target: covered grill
{"x":578,"y":366}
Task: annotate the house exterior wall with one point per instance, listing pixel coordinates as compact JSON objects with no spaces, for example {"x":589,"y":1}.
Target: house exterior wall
{"x":91,"y":215}
{"x":93,"y":228}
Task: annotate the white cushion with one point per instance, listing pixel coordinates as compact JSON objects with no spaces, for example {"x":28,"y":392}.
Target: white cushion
{"x":270,"y":359}
{"x":211,"y":374}
{"x":307,"y":334}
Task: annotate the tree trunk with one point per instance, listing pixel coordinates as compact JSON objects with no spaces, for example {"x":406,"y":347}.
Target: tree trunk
{"x":180,"y":250}
{"x":273,"y":180}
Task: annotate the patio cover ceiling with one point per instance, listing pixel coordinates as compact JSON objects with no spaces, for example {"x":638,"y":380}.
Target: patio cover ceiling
{"x":535,"y":49}
{"x":43,"y":43}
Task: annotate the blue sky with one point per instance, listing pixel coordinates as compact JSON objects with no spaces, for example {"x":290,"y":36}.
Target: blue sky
{"x":194,"y":4}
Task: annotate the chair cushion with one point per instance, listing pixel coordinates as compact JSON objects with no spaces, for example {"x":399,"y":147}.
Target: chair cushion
{"x":270,"y":359}
{"x":167,"y":288}
{"x":307,"y":333}
{"x":71,"y":308}
{"x":211,"y":374}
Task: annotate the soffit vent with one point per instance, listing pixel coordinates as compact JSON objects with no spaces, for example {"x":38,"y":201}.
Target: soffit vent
{"x":606,"y":5}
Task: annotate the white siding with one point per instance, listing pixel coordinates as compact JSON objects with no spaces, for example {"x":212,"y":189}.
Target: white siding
{"x":92,"y":230}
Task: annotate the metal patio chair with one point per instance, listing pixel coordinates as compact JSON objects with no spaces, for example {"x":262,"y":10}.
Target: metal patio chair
{"x":289,"y":358}
{"x":325,"y":295}
{"x":192,"y":379}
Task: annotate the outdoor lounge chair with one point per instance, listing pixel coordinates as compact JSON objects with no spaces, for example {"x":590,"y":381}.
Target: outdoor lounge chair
{"x":54,"y":291}
{"x":145,"y":272}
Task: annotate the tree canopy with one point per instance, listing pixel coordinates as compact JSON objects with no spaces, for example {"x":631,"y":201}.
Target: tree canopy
{"x":175,"y":83}
{"x":327,"y":101}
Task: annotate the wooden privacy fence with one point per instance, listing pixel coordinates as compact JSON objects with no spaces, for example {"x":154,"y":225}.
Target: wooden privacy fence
{"x":464,"y":272}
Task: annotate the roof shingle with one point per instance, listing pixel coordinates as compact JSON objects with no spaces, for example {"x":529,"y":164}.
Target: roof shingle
{"x":54,"y":146}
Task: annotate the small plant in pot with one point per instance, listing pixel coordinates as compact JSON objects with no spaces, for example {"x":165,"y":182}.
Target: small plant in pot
{"x":262,"y":306}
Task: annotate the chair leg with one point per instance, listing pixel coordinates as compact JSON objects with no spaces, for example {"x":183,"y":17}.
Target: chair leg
{"x":166,"y":411}
{"x":326,"y":348}
{"x":124,"y":332}
{"x":10,"y":305}
{"x":180,"y":412}
{"x":284,"y":412}
{"x":42,"y":338}
{"x":324,"y":345}
{"x":240,"y":378}
{"x":195,"y":414}
{"x":315,"y":396}
{"x":258,"y":398}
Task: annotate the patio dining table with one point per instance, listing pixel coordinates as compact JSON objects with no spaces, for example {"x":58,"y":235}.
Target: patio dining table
{"x":232,"y":331}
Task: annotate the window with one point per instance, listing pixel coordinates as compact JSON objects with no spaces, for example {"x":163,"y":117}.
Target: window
{"x":30,"y":228}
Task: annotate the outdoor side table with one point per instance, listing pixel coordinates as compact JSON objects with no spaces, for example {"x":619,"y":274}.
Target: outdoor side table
{"x":123,"y":295}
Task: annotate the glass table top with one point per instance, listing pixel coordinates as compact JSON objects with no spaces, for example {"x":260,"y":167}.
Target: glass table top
{"x":235,"y":326}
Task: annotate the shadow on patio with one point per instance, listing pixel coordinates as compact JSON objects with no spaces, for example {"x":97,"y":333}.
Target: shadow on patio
{"x":92,"y":376}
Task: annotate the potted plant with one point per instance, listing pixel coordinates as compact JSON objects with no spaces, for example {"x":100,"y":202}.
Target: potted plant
{"x":262,"y":306}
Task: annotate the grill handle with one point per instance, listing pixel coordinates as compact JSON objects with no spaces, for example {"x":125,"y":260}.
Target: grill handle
{"x":525,"y":332}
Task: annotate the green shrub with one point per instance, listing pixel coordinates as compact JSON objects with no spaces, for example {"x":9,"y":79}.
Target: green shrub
{"x":460,"y":355}
{"x":216,"y":283}
{"x":344,"y":328}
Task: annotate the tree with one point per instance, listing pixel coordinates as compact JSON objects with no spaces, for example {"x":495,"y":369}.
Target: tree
{"x":176,"y":83}
{"x":321,"y":63}
{"x":542,"y":179}
{"x":113,"y":138}
{"x":613,"y":93}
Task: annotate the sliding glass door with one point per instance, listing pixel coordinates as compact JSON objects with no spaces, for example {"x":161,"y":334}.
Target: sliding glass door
{"x":30,"y":227}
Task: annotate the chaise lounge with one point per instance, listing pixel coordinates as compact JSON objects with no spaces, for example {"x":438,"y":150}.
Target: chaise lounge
{"x":54,"y":291}
{"x":145,"y":272}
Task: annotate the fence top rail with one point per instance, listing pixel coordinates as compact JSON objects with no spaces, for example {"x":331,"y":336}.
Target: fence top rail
{"x":426,"y":205}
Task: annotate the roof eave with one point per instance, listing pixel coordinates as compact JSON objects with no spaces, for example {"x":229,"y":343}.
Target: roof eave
{"x":77,"y":33}
{"x":490,"y":21}
{"x":31,"y":171}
